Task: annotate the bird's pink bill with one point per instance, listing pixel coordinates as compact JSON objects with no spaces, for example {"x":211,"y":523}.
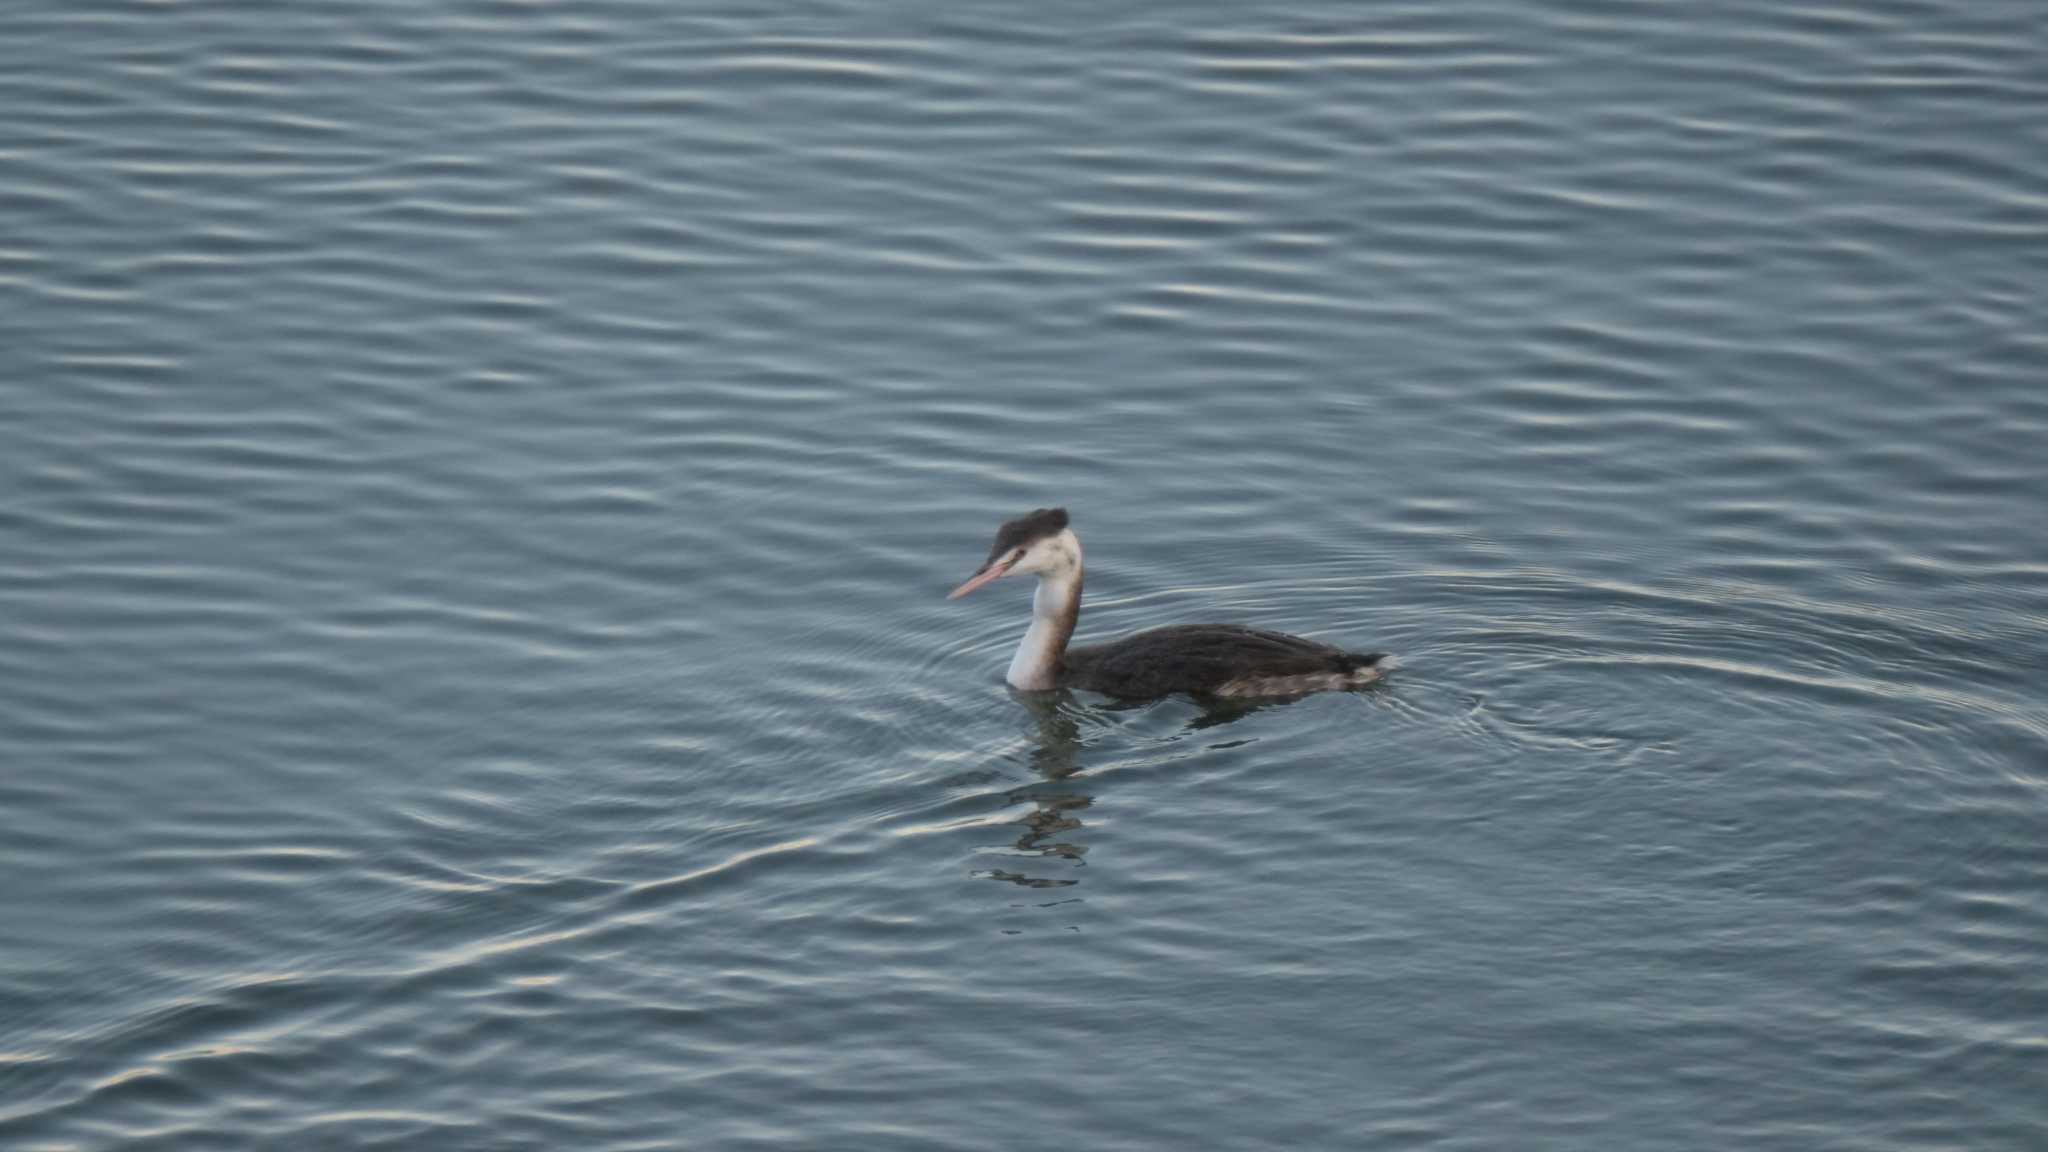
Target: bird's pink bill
{"x":987,"y":574}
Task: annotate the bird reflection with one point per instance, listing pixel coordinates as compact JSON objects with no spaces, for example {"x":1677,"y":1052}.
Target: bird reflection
{"x":1051,"y":828}
{"x":1056,"y":800}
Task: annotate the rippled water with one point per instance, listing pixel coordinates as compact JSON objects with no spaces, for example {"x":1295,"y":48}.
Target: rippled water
{"x":481,"y":481}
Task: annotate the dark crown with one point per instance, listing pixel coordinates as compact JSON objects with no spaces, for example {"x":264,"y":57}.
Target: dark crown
{"x":1024,"y":529}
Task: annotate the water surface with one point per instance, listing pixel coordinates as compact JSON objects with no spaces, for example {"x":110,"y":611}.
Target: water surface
{"x":481,"y":481}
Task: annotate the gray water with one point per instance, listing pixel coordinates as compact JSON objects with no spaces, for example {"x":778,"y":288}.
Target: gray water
{"x":481,"y":479}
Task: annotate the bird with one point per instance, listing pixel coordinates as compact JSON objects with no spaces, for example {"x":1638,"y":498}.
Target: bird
{"x":1202,"y":660}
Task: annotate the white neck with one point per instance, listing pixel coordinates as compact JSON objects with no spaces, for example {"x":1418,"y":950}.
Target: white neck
{"x":1055,"y":608}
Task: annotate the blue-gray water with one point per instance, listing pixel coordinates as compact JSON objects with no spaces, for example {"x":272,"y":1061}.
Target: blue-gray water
{"x":480,"y":482}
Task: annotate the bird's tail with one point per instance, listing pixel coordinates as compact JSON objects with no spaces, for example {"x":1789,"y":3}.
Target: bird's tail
{"x":1366,"y":667}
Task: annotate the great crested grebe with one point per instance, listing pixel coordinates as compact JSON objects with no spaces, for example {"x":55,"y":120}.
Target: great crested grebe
{"x":1201,"y":659}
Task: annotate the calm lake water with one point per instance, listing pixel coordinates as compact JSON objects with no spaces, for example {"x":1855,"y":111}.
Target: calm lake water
{"x":481,"y":481}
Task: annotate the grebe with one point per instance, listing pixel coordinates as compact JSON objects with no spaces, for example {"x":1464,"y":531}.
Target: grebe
{"x":1201,"y":659}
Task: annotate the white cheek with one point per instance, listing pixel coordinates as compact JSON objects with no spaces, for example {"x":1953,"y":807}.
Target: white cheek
{"x":1049,"y":557}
